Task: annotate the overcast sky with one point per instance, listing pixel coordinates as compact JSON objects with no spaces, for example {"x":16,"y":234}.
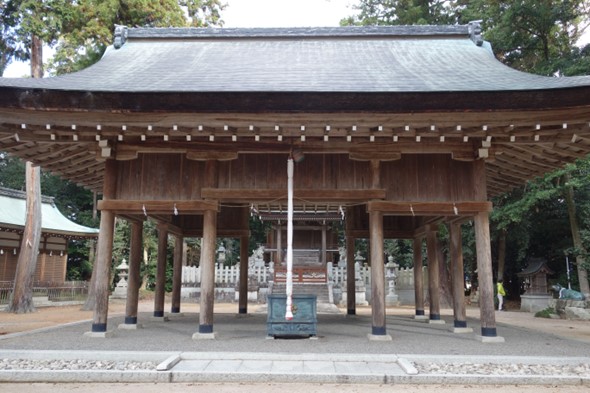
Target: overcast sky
{"x":285,"y":13}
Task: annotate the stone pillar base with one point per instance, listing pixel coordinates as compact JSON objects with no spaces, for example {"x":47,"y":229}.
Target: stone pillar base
{"x":379,"y":337}
{"x":205,"y":336}
{"x":107,"y":334}
{"x":487,"y":339}
{"x":534,"y":303}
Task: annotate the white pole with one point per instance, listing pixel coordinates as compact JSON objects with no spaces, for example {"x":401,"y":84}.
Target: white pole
{"x":289,"y":313}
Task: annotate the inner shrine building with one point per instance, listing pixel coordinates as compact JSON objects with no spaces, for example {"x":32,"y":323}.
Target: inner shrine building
{"x":401,"y":128}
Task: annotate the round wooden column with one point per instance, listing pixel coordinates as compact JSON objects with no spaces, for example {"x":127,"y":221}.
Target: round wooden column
{"x":103,"y":271}
{"x":104,"y":252}
{"x":350,"y":277}
{"x":243,"y":290}
{"x":485,"y":276}
{"x":433,"y":275}
{"x":159,"y":295}
{"x":135,"y":254}
{"x":418,"y":279}
{"x":207,"y":275}
{"x":177,"y":275}
{"x":458,"y":287}
{"x":378,"y":331}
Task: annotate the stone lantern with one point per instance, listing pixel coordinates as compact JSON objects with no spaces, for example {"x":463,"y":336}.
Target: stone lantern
{"x":121,"y":288}
{"x":221,"y":254}
{"x":361,"y":291}
{"x":391,"y":275}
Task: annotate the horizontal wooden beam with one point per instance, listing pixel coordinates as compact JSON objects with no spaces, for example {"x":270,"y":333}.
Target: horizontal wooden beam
{"x":429,"y":208}
{"x":157,"y":207}
{"x":233,"y":233}
{"x":375,"y":155}
{"x":323,"y":195}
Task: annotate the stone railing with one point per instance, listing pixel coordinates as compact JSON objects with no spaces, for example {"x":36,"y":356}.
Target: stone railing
{"x":335,"y":276}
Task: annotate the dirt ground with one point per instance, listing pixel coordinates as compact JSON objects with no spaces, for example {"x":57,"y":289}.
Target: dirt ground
{"x":52,"y":316}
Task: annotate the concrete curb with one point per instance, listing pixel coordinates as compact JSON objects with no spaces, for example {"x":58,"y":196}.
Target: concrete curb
{"x":282,"y":368}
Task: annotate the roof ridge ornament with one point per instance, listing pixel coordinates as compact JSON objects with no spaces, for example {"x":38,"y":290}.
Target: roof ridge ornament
{"x":475,"y":32}
{"x":120,"y":36}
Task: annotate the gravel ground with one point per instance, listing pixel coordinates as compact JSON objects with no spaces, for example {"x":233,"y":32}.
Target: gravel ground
{"x":284,"y":388}
{"x":54,"y":365}
{"x":464,"y":368}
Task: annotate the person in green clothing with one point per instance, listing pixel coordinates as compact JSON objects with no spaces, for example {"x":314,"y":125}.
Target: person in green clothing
{"x":501,"y":293}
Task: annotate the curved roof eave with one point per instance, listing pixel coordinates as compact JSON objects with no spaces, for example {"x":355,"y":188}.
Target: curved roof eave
{"x":293,"y":102}
{"x":13,"y":213}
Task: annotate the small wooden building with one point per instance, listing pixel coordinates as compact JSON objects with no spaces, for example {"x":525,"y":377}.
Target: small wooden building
{"x":402,"y":128}
{"x":536,"y":296}
{"x":56,"y":231}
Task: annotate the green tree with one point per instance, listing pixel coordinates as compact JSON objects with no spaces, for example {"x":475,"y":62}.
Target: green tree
{"x":27,"y":25}
{"x":10,"y":46}
{"x":400,"y":12}
{"x":537,"y":36}
{"x":94,"y":21}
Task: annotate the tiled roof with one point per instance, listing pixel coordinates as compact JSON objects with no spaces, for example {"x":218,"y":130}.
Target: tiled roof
{"x":347,"y":59}
{"x":13,"y":214}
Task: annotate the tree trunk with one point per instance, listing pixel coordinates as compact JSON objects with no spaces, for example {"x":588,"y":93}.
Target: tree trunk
{"x":22,"y":294}
{"x":91,"y":298}
{"x":445,"y":290}
{"x":36,"y":57}
{"x":576,"y":237}
{"x":501,"y":253}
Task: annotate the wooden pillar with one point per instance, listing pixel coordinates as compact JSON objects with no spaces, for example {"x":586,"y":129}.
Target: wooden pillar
{"x":433,"y":275}
{"x":324,"y":245}
{"x":350,"y":277}
{"x":377,"y":275}
{"x":160,"y":291}
{"x":207,"y":274}
{"x":135,"y":256}
{"x":418,"y":279}
{"x":104,"y":251}
{"x":350,"y":268}
{"x":485,"y":275}
{"x":458,"y":286}
{"x":243,"y":290}
{"x":177,"y":274}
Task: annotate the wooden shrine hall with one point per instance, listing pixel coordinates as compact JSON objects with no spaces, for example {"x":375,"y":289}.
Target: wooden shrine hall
{"x":401,"y":128}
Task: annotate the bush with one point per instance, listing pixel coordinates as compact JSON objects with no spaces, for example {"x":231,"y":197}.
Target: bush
{"x":546,"y":313}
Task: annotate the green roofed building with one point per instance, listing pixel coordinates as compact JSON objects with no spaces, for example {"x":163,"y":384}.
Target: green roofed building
{"x":57,"y":230}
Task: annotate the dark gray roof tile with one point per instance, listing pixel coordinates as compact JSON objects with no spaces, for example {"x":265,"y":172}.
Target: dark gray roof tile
{"x":359,"y":59}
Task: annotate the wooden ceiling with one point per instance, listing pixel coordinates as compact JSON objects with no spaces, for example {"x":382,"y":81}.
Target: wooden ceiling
{"x":516,"y":145}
